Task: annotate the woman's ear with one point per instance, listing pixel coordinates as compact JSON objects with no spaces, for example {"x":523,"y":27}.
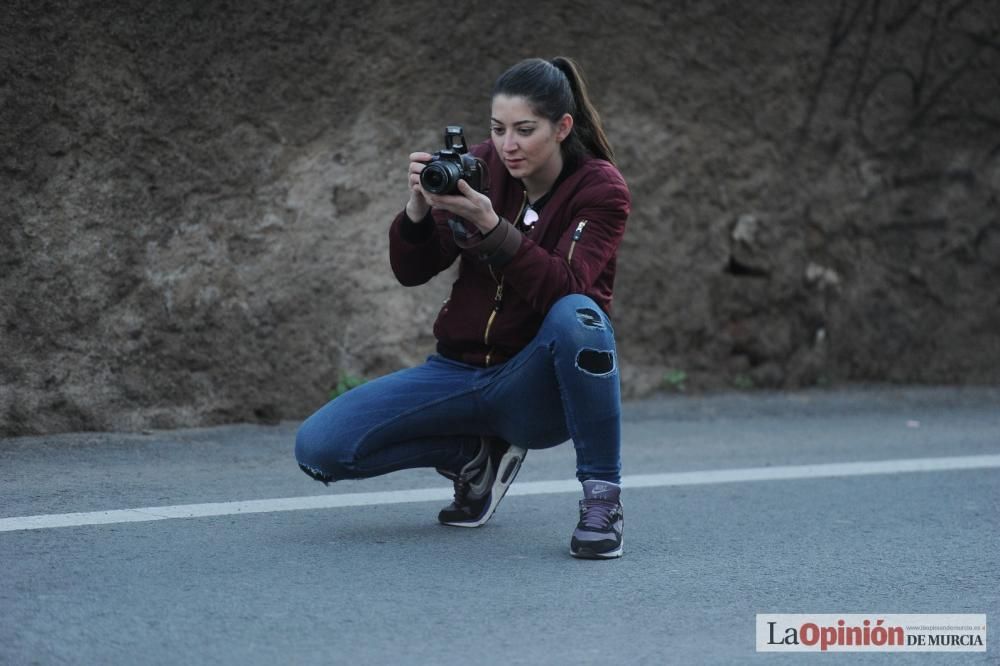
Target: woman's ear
{"x":564,"y":127}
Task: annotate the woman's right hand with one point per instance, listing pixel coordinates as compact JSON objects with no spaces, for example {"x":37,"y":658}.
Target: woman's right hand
{"x":417,"y":206}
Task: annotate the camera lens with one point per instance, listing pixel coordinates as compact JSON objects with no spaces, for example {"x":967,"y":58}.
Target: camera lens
{"x":440,"y":177}
{"x":432,"y":179}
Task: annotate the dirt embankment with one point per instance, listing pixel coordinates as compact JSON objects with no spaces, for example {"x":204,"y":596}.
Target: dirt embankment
{"x":195,"y":195}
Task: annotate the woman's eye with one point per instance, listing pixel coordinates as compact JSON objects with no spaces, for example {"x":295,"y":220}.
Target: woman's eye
{"x":498,"y":130}
{"x":526,"y":131}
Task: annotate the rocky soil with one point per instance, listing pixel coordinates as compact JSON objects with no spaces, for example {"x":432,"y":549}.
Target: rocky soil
{"x":194,"y":196}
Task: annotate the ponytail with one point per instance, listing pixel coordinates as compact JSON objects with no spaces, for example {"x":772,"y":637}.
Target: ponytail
{"x":586,"y":121}
{"x":553,"y":89}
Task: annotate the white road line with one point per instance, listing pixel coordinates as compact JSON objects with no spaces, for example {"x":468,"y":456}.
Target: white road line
{"x":777,"y":473}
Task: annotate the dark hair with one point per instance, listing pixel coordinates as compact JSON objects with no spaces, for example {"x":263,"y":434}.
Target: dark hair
{"x":553,"y":88}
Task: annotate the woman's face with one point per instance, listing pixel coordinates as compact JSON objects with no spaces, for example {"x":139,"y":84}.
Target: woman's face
{"x":528,"y":143}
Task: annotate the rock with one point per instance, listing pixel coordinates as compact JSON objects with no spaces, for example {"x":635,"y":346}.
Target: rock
{"x":749,"y":250}
{"x":821,"y":276}
{"x":745,"y":229}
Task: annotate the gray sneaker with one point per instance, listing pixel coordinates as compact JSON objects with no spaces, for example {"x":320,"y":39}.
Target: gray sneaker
{"x":482,"y":483}
{"x":598,"y":535}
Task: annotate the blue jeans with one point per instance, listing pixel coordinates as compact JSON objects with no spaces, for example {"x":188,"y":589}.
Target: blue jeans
{"x":562,"y":385}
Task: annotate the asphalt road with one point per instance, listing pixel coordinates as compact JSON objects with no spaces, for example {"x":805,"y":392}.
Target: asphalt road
{"x":384,"y":584}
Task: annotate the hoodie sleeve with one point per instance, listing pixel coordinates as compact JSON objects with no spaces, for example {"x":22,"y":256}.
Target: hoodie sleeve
{"x":420,"y":250}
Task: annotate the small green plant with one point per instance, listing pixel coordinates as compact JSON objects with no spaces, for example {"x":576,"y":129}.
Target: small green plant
{"x":674,"y":379}
{"x":743,"y":382}
{"x":345,"y":384}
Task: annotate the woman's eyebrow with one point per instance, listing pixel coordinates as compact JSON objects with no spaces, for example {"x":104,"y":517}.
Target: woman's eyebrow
{"x":519,"y":122}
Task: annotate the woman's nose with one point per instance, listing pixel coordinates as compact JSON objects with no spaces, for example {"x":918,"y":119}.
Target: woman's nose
{"x":509,"y":144}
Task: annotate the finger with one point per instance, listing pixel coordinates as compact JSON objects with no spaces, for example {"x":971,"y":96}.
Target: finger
{"x":420,"y":157}
{"x":450,"y":200}
{"x":445,"y":202}
{"x":471,"y":194}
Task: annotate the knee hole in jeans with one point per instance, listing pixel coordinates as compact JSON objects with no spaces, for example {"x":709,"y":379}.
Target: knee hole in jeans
{"x":595,"y":362}
{"x":590,"y":318}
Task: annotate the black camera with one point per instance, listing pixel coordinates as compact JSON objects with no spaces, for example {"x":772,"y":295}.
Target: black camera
{"x":448,"y":166}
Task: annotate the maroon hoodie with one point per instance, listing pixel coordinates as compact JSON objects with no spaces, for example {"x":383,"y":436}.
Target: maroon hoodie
{"x":510,"y":278}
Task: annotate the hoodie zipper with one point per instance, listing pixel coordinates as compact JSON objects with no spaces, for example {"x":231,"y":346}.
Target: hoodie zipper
{"x":497,"y":304}
{"x":498,"y":297}
{"x":576,"y":237}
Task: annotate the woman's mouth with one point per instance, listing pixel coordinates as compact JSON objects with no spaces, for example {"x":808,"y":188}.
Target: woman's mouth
{"x":514,"y":162}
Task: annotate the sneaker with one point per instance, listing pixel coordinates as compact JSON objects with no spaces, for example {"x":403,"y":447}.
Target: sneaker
{"x":598,"y":535}
{"x":482,"y":483}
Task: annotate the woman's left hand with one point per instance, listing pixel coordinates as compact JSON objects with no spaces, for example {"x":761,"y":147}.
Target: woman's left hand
{"x":472,"y":206}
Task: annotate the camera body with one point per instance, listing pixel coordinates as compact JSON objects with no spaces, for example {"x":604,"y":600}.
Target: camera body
{"x":447,"y":167}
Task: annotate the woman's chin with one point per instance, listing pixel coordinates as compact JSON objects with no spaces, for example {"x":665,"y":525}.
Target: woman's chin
{"x":516,"y":170}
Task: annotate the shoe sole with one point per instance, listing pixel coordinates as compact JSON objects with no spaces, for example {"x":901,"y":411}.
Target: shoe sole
{"x":510,"y":465}
{"x":610,"y":555}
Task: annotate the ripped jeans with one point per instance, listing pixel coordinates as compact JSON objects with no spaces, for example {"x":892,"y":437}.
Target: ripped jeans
{"x":562,"y":385}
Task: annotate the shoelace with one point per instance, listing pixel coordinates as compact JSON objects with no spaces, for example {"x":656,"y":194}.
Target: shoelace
{"x":463,"y":484}
{"x":597,"y":513}
{"x":461,"y":490}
